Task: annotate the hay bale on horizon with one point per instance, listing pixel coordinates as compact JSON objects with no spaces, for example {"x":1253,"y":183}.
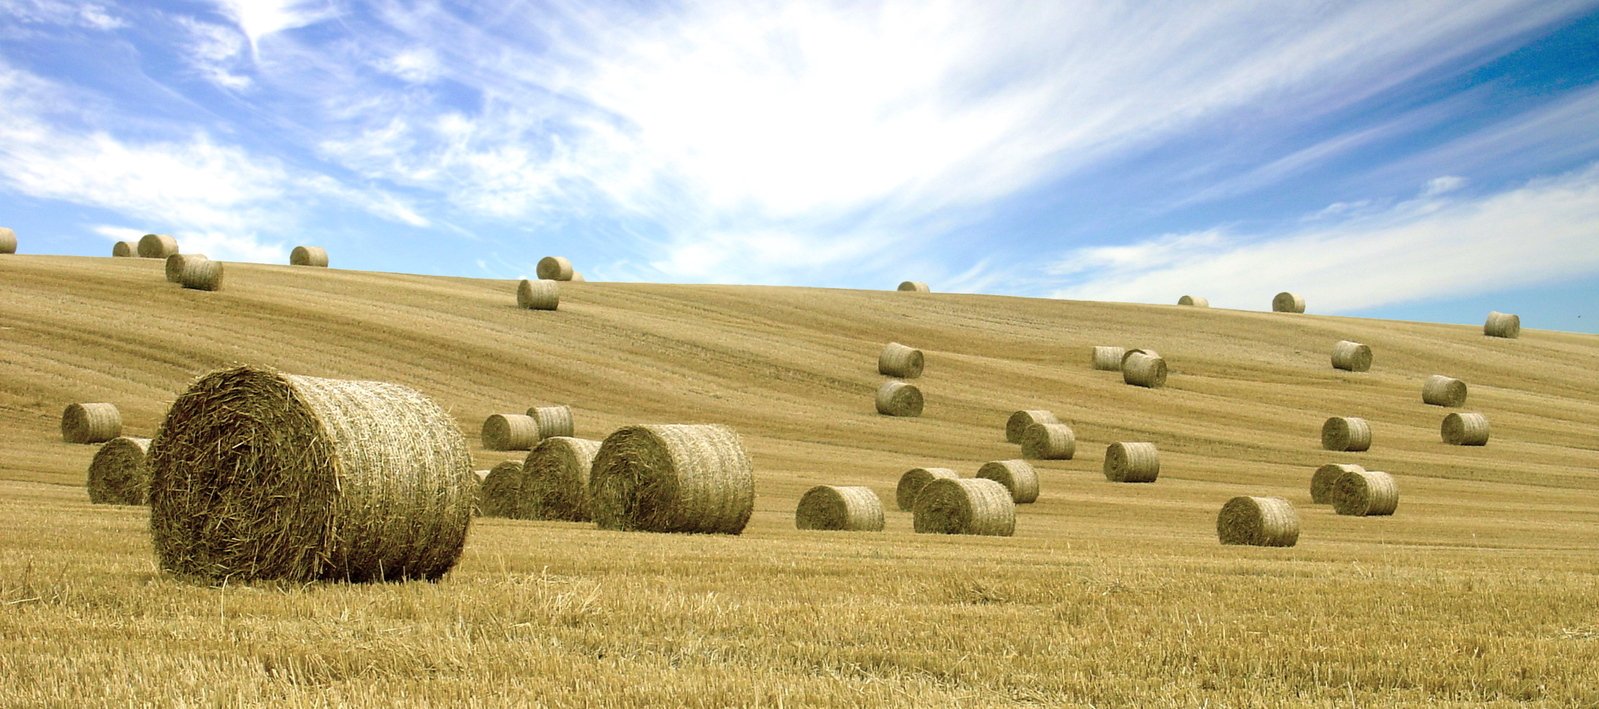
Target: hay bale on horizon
{"x":1502,"y":325}
{"x":577,"y":278}
{"x":1351,"y":356}
{"x":896,"y":398}
{"x":965,"y":506}
{"x":836,"y":508}
{"x":1365,"y":493}
{"x":913,"y":480}
{"x":538,"y":295}
{"x":554,"y":268}
{"x":556,"y":479}
{"x":899,"y":360}
{"x":1346,"y":434}
{"x":203,"y":275}
{"x":124,"y":249}
{"x":157,"y":246}
{"x":1465,"y":429}
{"x":1440,"y":390}
{"x":1049,"y":441}
{"x":90,"y":423}
{"x":509,"y":432}
{"x":1140,"y":369}
{"x":8,"y":241}
{"x":1286,"y":302}
{"x":1018,"y":422}
{"x":914,"y":287}
{"x":313,"y":256}
{"x":261,"y":475}
{"x":672,"y":478}
{"x":553,"y":420}
{"x":1018,"y":476}
{"x":1194,"y":301}
{"x":1108,"y":359}
{"x":1132,"y":462}
{"x":119,"y":473}
{"x":175,"y":263}
{"x":1322,"y":481}
{"x":500,"y":492}
{"x":1258,"y":521}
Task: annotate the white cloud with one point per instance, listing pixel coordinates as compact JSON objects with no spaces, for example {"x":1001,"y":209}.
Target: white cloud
{"x":58,"y":12}
{"x":259,"y":19}
{"x":417,"y":65}
{"x":216,"y":52}
{"x":1442,"y":185}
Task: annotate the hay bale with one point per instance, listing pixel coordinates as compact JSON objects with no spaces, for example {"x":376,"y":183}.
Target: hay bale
{"x":1049,"y":441}
{"x":1145,"y":370}
{"x":899,"y":360}
{"x":965,"y":506}
{"x":90,"y":423}
{"x":556,"y":479}
{"x":202,"y":274}
{"x":8,"y":241}
{"x":124,"y":249}
{"x":672,"y":478}
{"x":1286,"y":302}
{"x":552,"y":420}
{"x":577,"y":278}
{"x":912,"y":482}
{"x":1361,"y":493}
{"x":157,"y":246}
{"x":1440,"y":390}
{"x":1194,"y":301}
{"x":258,"y":474}
{"x":846,"y":509}
{"x":1502,"y":325}
{"x":896,"y":398}
{"x":1018,"y":422}
{"x":1351,"y":356}
{"x":538,"y":295}
{"x":500,"y":492}
{"x":509,"y":432}
{"x":1018,"y":476}
{"x":554,"y":268}
{"x":1346,"y":434}
{"x":1108,"y":359}
{"x":1321,"y":483}
{"x":1258,"y":521}
{"x":314,"y":256}
{"x":1465,"y":430}
{"x":175,"y":264}
{"x":1132,"y":463}
{"x":476,"y":484}
{"x":914,"y":287}
{"x":119,"y":474}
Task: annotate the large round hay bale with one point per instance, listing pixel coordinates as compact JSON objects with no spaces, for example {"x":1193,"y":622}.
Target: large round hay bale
{"x":500,"y":494}
{"x":1132,"y":463}
{"x":1049,"y":441}
{"x":672,"y":478}
{"x":577,"y":278}
{"x":1144,"y":370}
{"x":538,"y":295}
{"x":965,"y":506}
{"x":175,"y":264}
{"x":555,"y":420}
{"x":847,"y":509}
{"x":1018,"y":422}
{"x":1322,"y":481}
{"x":201,"y":274}
{"x":1465,"y":430}
{"x":899,"y":399}
{"x":1440,"y":390}
{"x":1194,"y":301}
{"x":1362,"y":493}
{"x":914,"y":287}
{"x":509,"y":432}
{"x":258,"y":474}
{"x":1351,"y":356}
{"x":8,"y":241}
{"x":1108,"y":359}
{"x":554,"y":268}
{"x":1258,"y":521}
{"x":124,"y":249}
{"x":556,"y":479}
{"x":1018,"y":476}
{"x":899,"y":360}
{"x":90,"y":423}
{"x":1346,"y":433}
{"x":157,"y":246}
{"x":1502,"y":325}
{"x":314,"y":256}
{"x":1286,"y":302}
{"x":912,"y":482}
{"x":119,"y":474}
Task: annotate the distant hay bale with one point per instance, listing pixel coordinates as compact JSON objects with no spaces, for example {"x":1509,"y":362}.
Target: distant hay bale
{"x":314,"y":256}
{"x":1132,"y":463}
{"x":1194,"y":300}
{"x":157,"y":246}
{"x":1351,"y":356}
{"x":201,"y":274}
{"x":1144,"y":370}
{"x":1108,"y":359}
{"x":1049,"y":441}
{"x":552,"y":420}
{"x":1346,"y":434}
{"x":556,"y":479}
{"x":124,"y":249}
{"x":672,"y":478}
{"x":1502,"y":325}
{"x":899,"y":399}
{"x":912,"y":482}
{"x":1440,"y":390}
{"x":90,"y":423}
{"x":1321,"y":483}
{"x":258,"y":475}
{"x":835,"y":508}
{"x":1018,"y":476}
{"x":554,"y":268}
{"x":8,"y":241}
{"x":509,"y":432}
{"x":1258,"y":521}
{"x":1465,"y":430}
{"x":577,"y":278}
{"x":899,"y":360}
{"x":538,"y":295}
{"x":1361,"y":493}
{"x":175,"y":264}
{"x":1018,"y":422}
{"x":914,"y":287}
{"x":1286,"y":302}
{"x":965,"y":506}
{"x":500,"y":494}
{"x":119,"y":474}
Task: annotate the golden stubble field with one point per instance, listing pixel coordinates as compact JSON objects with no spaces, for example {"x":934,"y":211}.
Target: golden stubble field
{"x":1483,"y":588}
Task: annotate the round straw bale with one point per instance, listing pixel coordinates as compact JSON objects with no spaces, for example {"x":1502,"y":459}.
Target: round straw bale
{"x":201,"y":274}
{"x":577,"y":278}
{"x":1017,"y":476}
{"x":509,"y":432}
{"x":1351,"y":356}
{"x":552,"y":420}
{"x":1132,"y":463}
{"x":897,"y":398}
{"x":500,"y":494}
{"x":1321,"y":483}
{"x":1018,"y":422}
{"x":1346,"y":433}
{"x":1144,"y":370}
{"x":672,"y":478}
{"x":914,"y":287}
{"x":1440,"y":390}
{"x":1465,"y":430}
{"x":554,"y":268}
{"x":119,"y":475}
{"x":1502,"y":325}
{"x":1258,"y":521}
{"x":1108,"y":359}
{"x":1194,"y":300}
{"x":556,"y":479}
{"x":1138,"y":351}
{"x":1049,"y":441}
{"x":912,"y":482}
{"x":1362,"y":493}
{"x":538,"y":295}
{"x":965,"y":506}
{"x":315,"y":256}
{"x":849,"y":509}
{"x":157,"y":246}
{"x":90,"y":423}
{"x":8,"y":241}
{"x":124,"y":249}
{"x":258,"y":474}
{"x":1286,"y":302}
{"x":175,"y":264}
{"x":899,"y":360}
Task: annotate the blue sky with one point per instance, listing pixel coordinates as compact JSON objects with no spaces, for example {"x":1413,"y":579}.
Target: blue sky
{"x":1415,"y":160}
